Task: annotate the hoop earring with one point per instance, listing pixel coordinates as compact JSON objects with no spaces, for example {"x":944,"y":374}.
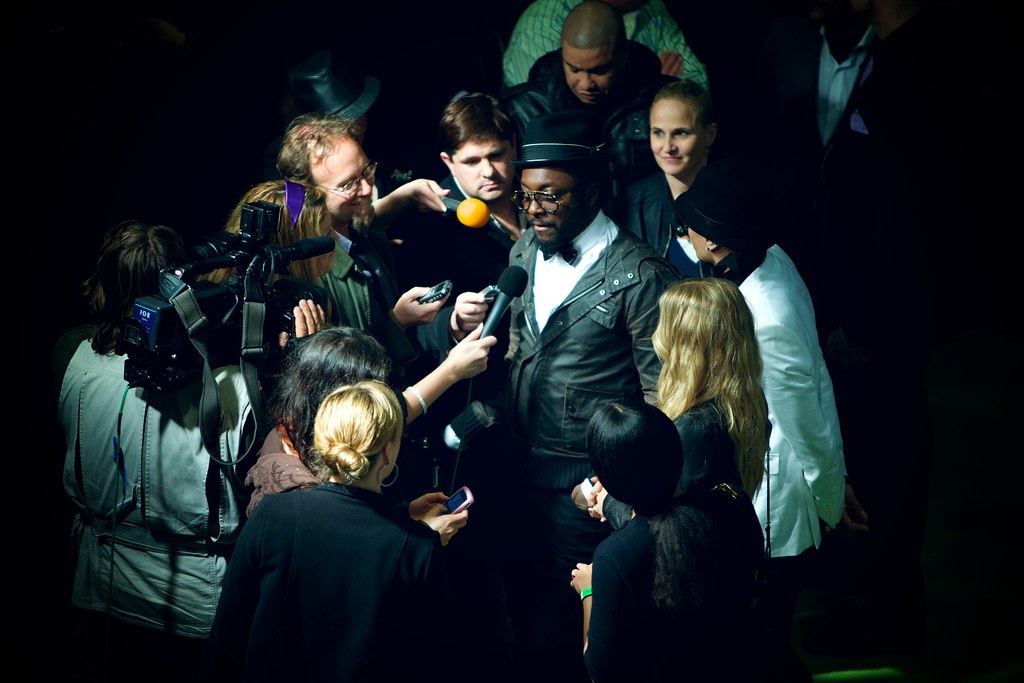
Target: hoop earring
{"x":394,"y":471}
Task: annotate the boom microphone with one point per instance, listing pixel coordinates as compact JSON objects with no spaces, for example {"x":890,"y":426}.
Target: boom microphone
{"x":511,"y":284}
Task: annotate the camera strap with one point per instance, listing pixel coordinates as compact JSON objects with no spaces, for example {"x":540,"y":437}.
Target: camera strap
{"x":253,"y":315}
{"x":185,"y":303}
{"x":187,"y":306}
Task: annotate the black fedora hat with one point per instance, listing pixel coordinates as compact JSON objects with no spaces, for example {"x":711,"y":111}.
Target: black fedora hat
{"x":317,"y":84}
{"x":562,"y":138}
{"x":729,"y":203}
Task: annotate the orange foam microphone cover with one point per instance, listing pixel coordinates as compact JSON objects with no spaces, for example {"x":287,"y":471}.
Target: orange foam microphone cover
{"x":473,"y":213}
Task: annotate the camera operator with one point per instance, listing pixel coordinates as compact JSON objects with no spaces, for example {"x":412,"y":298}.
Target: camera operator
{"x":157,"y":515}
{"x":284,"y":227}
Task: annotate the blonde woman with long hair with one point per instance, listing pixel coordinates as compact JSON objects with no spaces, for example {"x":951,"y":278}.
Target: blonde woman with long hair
{"x":710,"y":386}
{"x":710,"y":382}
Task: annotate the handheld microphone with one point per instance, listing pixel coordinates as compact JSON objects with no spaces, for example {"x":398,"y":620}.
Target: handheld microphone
{"x":471,"y":212}
{"x":511,"y":284}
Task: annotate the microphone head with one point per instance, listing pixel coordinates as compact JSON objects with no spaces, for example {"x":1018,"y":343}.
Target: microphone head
{"x":473,"y":213}
{"x":513,"y":281}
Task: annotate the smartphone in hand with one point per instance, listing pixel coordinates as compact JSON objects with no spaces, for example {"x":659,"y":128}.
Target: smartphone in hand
{"x":438,"y":291}
{"x":587,"y":488}
{"x":459,"y":501}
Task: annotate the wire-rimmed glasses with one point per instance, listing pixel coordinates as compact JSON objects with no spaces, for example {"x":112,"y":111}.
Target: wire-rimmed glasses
{"x":350,"y":187}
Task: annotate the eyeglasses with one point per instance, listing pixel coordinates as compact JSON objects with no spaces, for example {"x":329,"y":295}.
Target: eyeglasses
{"x":545,"y":200}
{"x":353,"y":185}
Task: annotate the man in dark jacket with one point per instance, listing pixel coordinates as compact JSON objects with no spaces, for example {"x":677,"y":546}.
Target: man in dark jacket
{"x":597,"y":69}
{"x":580,"y":337}
{"x":478,"y":146}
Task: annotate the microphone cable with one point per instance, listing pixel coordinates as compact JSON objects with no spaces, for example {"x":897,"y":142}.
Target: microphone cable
{"x":458,"y":451}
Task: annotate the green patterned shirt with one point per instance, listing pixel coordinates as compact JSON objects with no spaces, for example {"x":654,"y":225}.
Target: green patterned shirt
{"x":539,"y":31}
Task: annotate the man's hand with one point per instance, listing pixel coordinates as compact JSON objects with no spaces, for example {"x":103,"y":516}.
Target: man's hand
{"x":423,"y":193}
{"x":855,"y":517}
{"x":671,"y":63}
{"x":840,"y":348}
{"x":469,"y":313}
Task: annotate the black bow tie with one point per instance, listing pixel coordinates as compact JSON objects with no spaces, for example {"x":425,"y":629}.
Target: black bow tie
{"x":566,"y":251}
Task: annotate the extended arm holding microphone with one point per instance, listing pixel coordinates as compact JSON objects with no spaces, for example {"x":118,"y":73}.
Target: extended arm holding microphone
{"x":422,"y":193}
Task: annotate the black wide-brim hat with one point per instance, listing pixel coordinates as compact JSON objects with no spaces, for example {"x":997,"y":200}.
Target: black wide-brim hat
{"x":563,"y":138}
{"x":729,"y":204}
{"x":317,"y":84}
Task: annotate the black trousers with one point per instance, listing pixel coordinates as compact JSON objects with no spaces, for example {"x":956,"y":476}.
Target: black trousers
{"x":546,"y":614}
{"x":786,"y":579}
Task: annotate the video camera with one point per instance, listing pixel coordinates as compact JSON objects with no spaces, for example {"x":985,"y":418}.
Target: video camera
{"x":161,"y":345}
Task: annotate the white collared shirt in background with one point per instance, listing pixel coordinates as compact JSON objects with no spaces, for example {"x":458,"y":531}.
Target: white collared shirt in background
{"x":836,"y":81}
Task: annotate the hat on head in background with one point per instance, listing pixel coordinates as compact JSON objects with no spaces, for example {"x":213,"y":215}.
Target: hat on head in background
{"x":729,"y":203}
{"x":562,"y":138}
{"x":318,"y":85}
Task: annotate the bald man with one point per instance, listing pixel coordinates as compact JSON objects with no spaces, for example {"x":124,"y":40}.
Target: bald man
{"x":594,"y":54}
{"x":599,"y":69}
{"x":648,"y":22}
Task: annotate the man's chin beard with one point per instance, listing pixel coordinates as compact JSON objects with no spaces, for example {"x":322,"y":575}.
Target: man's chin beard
{"x":362,"y":222}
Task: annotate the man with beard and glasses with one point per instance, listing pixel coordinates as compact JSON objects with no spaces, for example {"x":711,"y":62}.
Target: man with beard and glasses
{"x":477,"y":146}
{"x":323,"y":150}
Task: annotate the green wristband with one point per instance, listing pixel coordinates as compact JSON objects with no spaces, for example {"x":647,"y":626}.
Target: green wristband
{"x":586,"y":593}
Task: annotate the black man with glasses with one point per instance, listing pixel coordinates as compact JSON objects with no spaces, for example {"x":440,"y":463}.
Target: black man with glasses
{"x":580,"y":338}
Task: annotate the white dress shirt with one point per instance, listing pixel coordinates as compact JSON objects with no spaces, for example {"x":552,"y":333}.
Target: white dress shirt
{"x":553,"y":278}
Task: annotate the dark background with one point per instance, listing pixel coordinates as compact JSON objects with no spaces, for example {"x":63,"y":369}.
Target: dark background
{"x":106,"y":123}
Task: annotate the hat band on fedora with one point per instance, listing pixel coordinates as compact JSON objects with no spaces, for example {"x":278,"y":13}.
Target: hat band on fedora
{"x":560,"y":151}
{"x":712,"y":223}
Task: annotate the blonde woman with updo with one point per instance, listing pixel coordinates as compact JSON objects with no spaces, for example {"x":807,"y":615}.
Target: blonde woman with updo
{"x":334,"y":583}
